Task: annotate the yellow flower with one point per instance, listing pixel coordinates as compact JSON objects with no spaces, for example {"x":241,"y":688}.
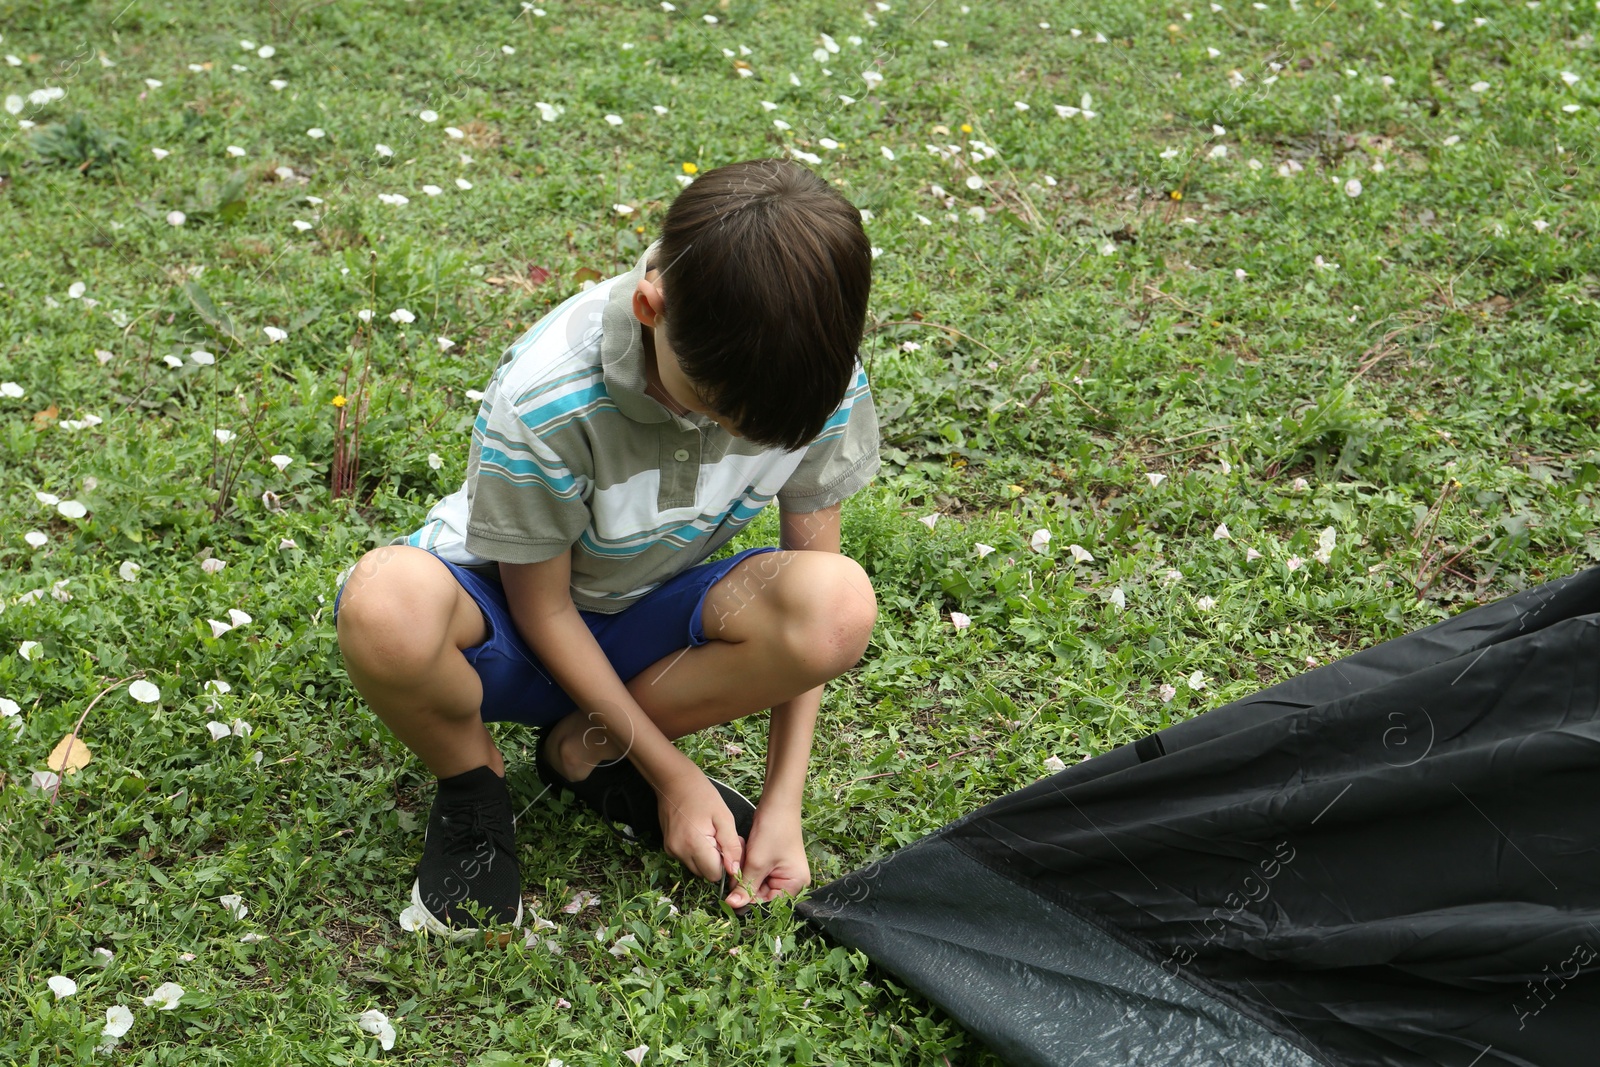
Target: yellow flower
{"x":340,"y":401}
{"x":638,"y":229}
{"x":966,"y":127}
{"x":690,"y":168}
{"x":1177,"y":194}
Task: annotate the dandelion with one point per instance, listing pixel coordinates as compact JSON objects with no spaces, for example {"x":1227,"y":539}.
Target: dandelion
{"x":339,"y":401}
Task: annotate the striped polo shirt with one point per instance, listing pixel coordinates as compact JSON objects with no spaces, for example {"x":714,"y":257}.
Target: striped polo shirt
{"x":568,"y":450}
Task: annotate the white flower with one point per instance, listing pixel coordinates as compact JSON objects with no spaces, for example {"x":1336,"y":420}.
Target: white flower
{"x":1479,"y":87}
{"x":252,"y":938}
{"x":454,"y":133}
{"x":1352,"y":188}
{"x":462,"y":183}
{"x":614,"y":120}
{"x":316,"y":134}
{"x":129,"y":571}
{"x":223,"y":436}
{"x":622,"y":209}
{"x":9,"y":708}
{"x":1325,"y":544}
{"x":1118,"y":598}
{"x":144,"y":692}
{"x":412,"y":919}
{"x":212,"y":565}
{"x":233,"y":904}
{"x":1221,"y":532}
{"x":929,"y":520}
{"x":62,"y":986}
{"x":1197,"y":681}
{"x":432,"y":190}
{"x":428,"y":116}
{"x":983,"y":549}
{"x":1155,"y":478}
{"x":12,"y":390}
{"x":365,"y":314}
{"x":376,"y":1022}
{"x":1294,"y":563}
{"x":201,"y":358}
{"x":176,"y":218}
{"x":165,"y":997}
{"x":1040,"y":540}
{"x":218,"y":628}
{"x":46,"y":782}
{"x":274,"y":335}
{"x":960,"y":621}
{"x":281,"y":461}
{"x":445,"y":344}
{"x":219,"y":730}
{"x":28,"y":650}
{"x":75,"y":290}
{"x":780,"y":124}
{"x":1173,"y":575}
{"x":72,"y":509}
{"x":1168,"y":692}
{"x":286,"y":543}
{"x":401,"y":315}
{"x":974,"y":182}
{"x":1205,"y":603}
{"x":637,"y":1054}
{"x":547,"y":112}
{"x":266,"y":51}
{"x":1299,"y":485}
{"x":1080,"y":553}
{"x":14,"y":104}
{"x":119,"y":1020}
{"x":35,"y":539}
{"x":1019,"y":105}
{"x":1251,"y":555}
{"x":239,"y":618}
{"x":278,"y":85}
{"x":872,"y":78}
{"x":434,"y":461}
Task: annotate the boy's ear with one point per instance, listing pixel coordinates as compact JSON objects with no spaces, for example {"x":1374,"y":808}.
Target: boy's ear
{"x":648,"y":302}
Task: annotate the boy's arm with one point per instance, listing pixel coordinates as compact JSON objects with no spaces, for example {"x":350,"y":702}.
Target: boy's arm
{"x":775,"y":858}
{"x":698,"y":827}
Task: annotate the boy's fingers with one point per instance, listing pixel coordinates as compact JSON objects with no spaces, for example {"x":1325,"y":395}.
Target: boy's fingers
{"x":729,"y":844}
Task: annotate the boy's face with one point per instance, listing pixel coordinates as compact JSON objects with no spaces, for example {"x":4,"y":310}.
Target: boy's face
{"x":647,"y":307}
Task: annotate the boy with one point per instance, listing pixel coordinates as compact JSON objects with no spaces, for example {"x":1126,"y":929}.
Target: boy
{"x":621,"y":441}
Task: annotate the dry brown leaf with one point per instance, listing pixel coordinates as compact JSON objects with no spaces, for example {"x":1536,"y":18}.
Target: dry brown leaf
{"x":70,"y":754}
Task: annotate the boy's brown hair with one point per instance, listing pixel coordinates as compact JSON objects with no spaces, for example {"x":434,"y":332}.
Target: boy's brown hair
{"x":766,"y":271}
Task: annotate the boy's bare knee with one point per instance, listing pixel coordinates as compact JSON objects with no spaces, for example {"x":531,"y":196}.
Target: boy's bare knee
{"x":831,"y":614}
{"x":393,"y":616}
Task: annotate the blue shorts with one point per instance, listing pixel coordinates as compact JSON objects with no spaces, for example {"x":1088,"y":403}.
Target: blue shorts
{"x":517,"y":688}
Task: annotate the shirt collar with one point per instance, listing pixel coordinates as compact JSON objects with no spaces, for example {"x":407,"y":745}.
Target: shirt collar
{"x":622,"y":352}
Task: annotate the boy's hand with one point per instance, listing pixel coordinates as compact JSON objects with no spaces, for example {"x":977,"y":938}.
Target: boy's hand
{"x":774,"y":859}
{"x":698,"y":827}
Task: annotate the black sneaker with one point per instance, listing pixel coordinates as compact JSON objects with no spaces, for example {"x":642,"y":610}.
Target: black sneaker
{"x":468,"y":877}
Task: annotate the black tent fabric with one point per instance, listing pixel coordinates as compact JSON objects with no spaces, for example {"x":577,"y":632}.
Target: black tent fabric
{"x":1392,"y":860}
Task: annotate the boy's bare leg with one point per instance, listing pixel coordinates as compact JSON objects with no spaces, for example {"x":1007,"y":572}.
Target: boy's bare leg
{"x":780,"y":624}
{"x":403,"y":621}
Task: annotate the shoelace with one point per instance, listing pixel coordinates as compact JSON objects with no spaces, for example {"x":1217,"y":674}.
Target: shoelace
{"x":470,"y":821}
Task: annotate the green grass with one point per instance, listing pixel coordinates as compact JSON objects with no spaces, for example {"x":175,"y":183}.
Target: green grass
{"x":1435,"y":392}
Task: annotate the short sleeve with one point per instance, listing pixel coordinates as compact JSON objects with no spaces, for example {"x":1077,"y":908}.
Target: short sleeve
{"x":527,"y":491}
{"x":841,"y":459}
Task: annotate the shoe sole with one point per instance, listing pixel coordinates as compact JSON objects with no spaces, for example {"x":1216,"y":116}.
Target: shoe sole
{"x":456,"y":933}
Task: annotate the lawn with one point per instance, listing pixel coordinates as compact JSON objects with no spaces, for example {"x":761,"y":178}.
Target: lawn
{"x":1246,"y":334}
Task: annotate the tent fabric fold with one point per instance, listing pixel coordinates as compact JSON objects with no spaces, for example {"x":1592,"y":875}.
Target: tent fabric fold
{"x":1391,"y":860}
